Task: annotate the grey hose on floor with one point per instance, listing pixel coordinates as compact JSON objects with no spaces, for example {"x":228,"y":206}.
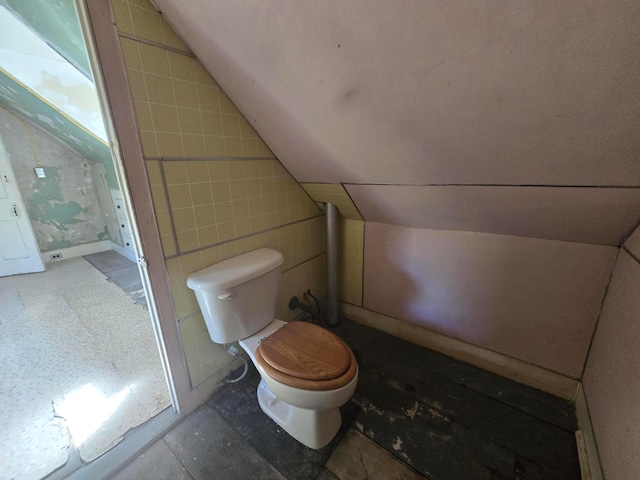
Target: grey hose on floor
{"x":244,"y":373}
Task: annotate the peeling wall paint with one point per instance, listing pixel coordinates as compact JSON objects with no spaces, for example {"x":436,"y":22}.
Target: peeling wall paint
{"x":71,"y":205}
{"x":57,"y":22}
{"x":32,"y":61}
{"x":104,"y":235}
{"x":46,"y":204}
{"x":21,"y":101}
{"x":112,"y":228}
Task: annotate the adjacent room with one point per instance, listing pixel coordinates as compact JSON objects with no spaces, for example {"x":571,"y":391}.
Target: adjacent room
{"x":80,"y":358}
{"x":482,"y":158}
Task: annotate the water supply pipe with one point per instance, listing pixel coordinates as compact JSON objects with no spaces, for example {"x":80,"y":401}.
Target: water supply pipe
{"x":331,"y":213}
{"x":294,"y":303}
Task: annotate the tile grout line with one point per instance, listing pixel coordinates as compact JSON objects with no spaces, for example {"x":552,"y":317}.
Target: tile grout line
{"x":305,"y":261}
{"x":193,"y":314}
{"x":260,"y":232}
{"x":171,"y":221}
{"x":136,"y":38}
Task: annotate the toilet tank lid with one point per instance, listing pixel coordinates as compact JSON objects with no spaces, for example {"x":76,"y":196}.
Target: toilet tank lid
{"x":235,"y":270}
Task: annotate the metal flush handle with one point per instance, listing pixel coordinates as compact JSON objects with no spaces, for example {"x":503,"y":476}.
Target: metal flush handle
{"x":14,"y":210}
{"x":226,"y":296}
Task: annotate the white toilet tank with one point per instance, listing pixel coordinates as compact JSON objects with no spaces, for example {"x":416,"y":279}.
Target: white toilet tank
{"x":238,"y":296}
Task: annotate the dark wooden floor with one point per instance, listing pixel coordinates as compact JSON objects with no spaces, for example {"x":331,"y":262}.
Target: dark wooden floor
{"x":450,"y":420}
{"x":441,"y":419}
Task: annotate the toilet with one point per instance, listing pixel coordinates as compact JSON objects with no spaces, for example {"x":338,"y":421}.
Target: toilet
{"x":307,"y":373}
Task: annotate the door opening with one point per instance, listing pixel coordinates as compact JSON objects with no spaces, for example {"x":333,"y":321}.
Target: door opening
{"x":84,"y":360}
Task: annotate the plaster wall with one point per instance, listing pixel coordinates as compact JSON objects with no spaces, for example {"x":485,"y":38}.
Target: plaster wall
{"x":535,"y":300}
{"x":611,"y":381}
{"x":65,"y":208}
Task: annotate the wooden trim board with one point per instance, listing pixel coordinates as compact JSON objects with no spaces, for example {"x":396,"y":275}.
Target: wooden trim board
{"x":589,"y":459}
{"x":503,"y":365}
{"x":107,"y":59}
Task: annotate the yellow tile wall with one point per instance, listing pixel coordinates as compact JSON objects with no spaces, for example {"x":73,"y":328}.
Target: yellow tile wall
{"x":295,"y":282}
{"x":351,"y":260}
{"x":181,"y":111}
{"x":299,"y":243}
{"x":141,"y":18}
{"x":336,"y":194}
{"x":161,"y":207}
{"x":217,"y":189}
{"x":214,"y":201}
{"x":303,"y":246}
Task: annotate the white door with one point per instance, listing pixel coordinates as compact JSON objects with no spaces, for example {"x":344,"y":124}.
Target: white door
{"x":19,"y":251}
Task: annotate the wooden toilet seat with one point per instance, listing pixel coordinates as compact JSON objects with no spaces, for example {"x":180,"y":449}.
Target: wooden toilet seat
{"x":305,"y":356}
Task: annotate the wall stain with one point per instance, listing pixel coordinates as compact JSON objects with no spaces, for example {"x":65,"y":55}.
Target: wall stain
{"x":24,"y":103}
{"x":349,"y":94}
{"x":58,"y":244}
{"x":46,"y":204}
{"x":73,"y":203}
{"x":104,"y":235}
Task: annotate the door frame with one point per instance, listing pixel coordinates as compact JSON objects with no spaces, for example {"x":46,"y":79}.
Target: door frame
{"x":107,"y":62}
{"x":14,"y":194}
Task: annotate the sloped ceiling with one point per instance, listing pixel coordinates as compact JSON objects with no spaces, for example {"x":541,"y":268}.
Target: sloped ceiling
{"x":430,"y":96}
{"x":26,"y":105}
{"x":56,"y":22}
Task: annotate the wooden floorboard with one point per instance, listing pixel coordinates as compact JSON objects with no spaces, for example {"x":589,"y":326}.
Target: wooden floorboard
{"x":422,"y":407}
{"x":542,"y":405}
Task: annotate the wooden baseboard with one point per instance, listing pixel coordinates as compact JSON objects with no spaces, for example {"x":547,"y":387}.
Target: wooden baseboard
{"x":589,"y":458}
{"x":498,"y":363}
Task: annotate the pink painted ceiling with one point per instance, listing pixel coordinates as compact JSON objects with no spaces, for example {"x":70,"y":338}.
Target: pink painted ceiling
{"x":434,"y":93}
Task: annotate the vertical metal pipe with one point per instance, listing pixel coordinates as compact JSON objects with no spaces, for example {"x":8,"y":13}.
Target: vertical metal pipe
{"x":331,"y":213}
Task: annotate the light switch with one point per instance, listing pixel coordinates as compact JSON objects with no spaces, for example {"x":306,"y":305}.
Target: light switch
{"x":40,"y":172}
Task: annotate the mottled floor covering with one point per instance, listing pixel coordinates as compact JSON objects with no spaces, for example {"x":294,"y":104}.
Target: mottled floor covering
{"x":121,"y":271}
{"x":77,"y":371}
{"x":415,"y":414}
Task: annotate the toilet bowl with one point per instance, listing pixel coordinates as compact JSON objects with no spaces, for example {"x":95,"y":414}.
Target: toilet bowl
{"x":309,"y":413}
{"x":307,"y":373}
